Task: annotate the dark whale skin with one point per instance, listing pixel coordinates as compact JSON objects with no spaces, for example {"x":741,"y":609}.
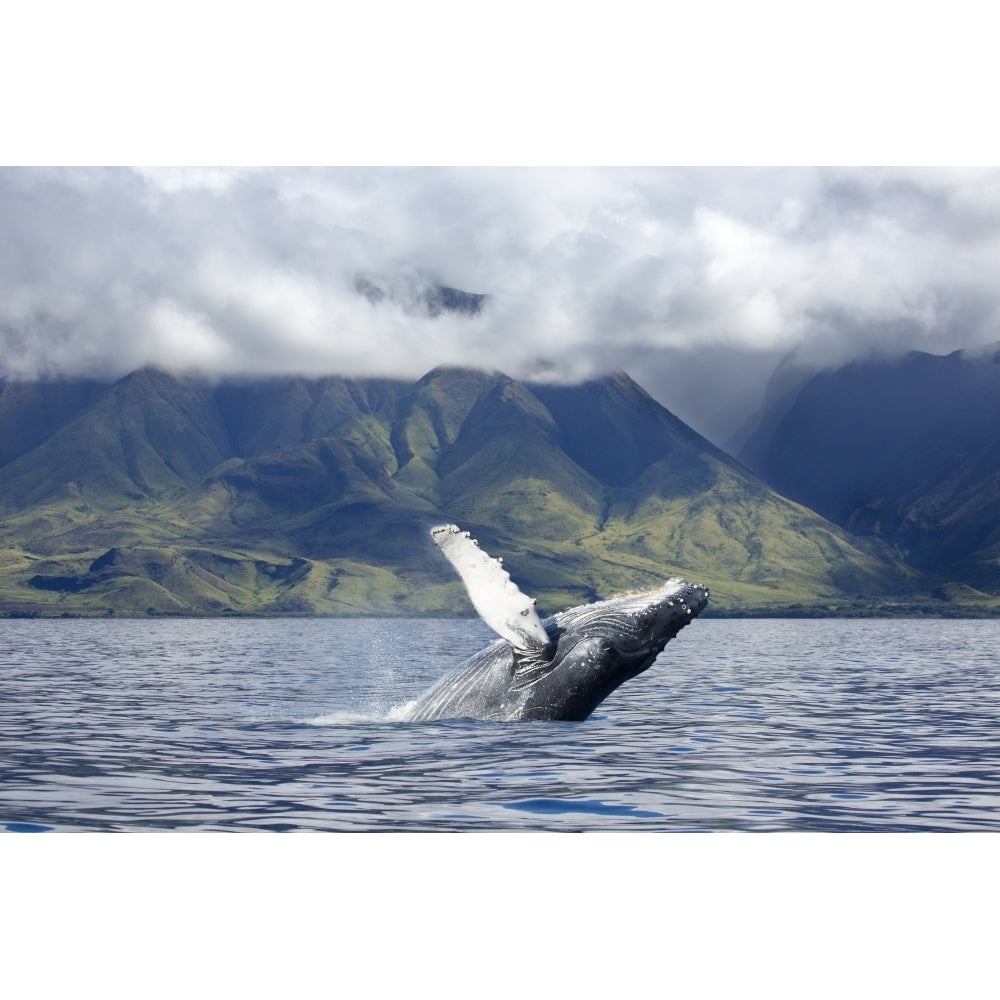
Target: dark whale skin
{"x":597,"y":647}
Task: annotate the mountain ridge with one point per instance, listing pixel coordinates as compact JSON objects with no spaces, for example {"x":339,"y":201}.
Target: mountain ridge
{"x":167,"y":494}
{"x":901,"y":449}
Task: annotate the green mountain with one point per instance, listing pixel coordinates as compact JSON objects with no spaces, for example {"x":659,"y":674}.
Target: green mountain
{"x":170,"y":495}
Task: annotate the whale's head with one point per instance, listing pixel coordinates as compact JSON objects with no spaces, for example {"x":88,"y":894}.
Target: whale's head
{"x":600,"y":646}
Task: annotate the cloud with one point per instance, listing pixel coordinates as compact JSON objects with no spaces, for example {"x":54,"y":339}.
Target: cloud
{"x":695,"y":280}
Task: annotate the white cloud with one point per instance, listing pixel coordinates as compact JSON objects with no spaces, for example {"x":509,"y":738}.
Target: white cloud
{"x":188,"y":336}
{"x":655,"y":271}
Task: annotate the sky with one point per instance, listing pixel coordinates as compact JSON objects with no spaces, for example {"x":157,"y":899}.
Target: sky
{"x":695,"y":281}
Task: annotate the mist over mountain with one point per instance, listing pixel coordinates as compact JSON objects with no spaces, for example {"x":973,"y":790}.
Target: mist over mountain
{"x":901,"y":449}
{"x":166,"y":494}
{"x":696,"y":281}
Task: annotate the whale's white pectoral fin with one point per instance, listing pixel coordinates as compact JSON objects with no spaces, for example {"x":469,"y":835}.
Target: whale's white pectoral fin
{"x":494,"y":595}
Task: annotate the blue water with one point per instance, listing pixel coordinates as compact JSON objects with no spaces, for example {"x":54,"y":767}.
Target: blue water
{"x":286,"y":724}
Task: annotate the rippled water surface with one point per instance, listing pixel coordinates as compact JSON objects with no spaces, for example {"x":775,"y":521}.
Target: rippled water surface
{"x":286,"y":724}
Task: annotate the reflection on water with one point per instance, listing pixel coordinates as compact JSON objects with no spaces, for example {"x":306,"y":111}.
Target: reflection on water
{"x":287,"y":724}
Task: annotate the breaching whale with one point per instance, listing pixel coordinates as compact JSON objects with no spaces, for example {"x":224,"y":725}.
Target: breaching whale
{"x":562,"y":668}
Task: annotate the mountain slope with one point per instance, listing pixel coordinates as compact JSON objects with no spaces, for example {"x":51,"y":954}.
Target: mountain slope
{"x":176,"y":495}
{"x":145,"y":436}
{"x":676,"y":500}
{"x":905,"y":450}
{"x":30,"y":412}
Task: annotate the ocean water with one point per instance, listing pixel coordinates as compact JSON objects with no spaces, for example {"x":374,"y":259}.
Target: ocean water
{"x":288,"y":724}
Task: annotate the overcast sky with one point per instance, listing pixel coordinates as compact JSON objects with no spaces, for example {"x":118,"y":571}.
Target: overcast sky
{"x":695,"y":281}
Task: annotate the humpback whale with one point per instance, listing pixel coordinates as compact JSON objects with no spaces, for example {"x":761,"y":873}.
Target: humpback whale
{"x":562,"y":668}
